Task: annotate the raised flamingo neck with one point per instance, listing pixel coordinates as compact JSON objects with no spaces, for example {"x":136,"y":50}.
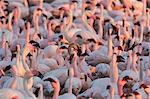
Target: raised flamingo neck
{"x":6,"y":51}
{"x":28,"y":32}
{"x":3,"y":40}
{"x":10,"y":22}
{"x":71,"y":75}
{"x":134,"y":58}
{"x":110,"y":44}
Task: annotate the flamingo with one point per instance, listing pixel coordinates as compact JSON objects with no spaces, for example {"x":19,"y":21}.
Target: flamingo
{"x":39,"y":91}
{"x":16,"y":93}
{"x":56,"y":86}
{"x":23,"y":6}
{"x":94,"y":58}
{"x":17,"y":77}
{"x":77,"y":49}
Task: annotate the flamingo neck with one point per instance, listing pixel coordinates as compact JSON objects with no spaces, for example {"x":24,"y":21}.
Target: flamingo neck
{"x":3,"y":40}
{"x":119,"y":31}
{"x":114,"y":73}
{"x":141,"y":34}
{"x":89,"y":27}
{"x":136,"y":33}
{"x":110,"y":44}
{"x":70,"y":85}
{"x":144,"y":6}
{"x":25,"y":84}
{"x":56,"y":94}
{"x":71,"y":75}
{"x":34,"y":61}
{"x":128,"y":62}
{"x":41,"y":4}
{"x":120,"y":90}
{"x":109,"y":5}
{"x":26,"y":3}
{"x":91,"y":22}
{"x":25,"y":65}
{"x":75,"y":68}
{"x":18,"y":58}
{"x":147,"y":18}
{"x":16,"y":16}
{"x":65,"y":28}
{"x":70,"y":20}
{"x":13,"y":84}
{"x":112,"y":93}
{"x":49,"y":31}
{"x":56,"y":90}
{"x":45,"y":24}
{"x":10,"y":22}
{"x":40,"y":92}
{"x":134,"y":58}
{"x":6,"y":51}
{"x":36,"y":19}
{"x":100,"y":32}
{"x":28,"y":32}
{"x":120,"y":84}
{"x":138,"y":96}
{"x":124,"y":25}
{"x":102,"y":11}
{"x":141,"y":71}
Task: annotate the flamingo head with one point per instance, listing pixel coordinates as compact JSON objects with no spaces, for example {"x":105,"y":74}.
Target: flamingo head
{"x":126,"y":78}
{"x":120,"y":48}
{"x":34,"y":43}
{"x":74,"y":1}
{"x":127,"y":88}
{"x":29,"y":55}
{"x":54,"y":82}
{"x":83,"y":77}
{"x":7,"y":68}
{"x":136,"y":93}
{"x":44,"y":16}
{"x":3,"y":19}
{"x":57,"y":29}
{"x":36,"y":92}
{"x":56,"y":13}
{"x":37,"y":87}
{"x":50,"y":80}
{"x":18,"y":48}
{"x":39,"y":11}
{"x":47,"y":88}
{"x":64,"y":51}
{"x":126,"y":95}
{"x":74,"y":48}
{"x":6,"y":3}
{"x":120,"y":59}
{"x":143,"y":86}
{"x":139,"y":54}
{"x":92,"y":44}
{"x":74,"y":4}
{"x":28,"y":48}
{"x":56,"y":26}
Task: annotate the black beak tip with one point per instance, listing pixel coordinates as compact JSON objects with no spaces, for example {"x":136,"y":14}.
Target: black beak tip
{"x":7,"y":68}
{"x":50,"y":79}
{"x":32,"y":41}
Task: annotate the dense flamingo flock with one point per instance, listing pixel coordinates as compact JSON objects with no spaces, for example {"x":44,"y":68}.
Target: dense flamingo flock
{"x":74,"y":49}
